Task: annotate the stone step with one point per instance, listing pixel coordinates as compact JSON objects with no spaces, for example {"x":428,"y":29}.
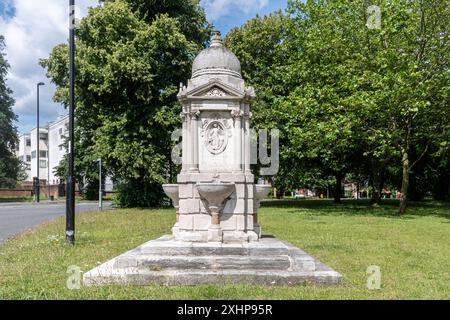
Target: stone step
{"x":176,"y":248}
{"x":132,"y":276}
{"x":158,"y":263}
{"x":164,"y":261}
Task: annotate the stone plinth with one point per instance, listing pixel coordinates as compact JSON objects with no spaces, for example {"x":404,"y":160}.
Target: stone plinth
{"x":166,"y":261}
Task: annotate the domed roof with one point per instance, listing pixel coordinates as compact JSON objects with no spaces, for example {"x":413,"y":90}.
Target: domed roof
{"x":216,"y":59}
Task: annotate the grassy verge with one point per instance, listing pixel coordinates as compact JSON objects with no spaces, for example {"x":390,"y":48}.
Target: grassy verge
{"x":412,"y":251}
{"x":16,"y":199}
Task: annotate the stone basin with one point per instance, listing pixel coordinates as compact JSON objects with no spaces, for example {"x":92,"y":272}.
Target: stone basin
{"x":171,"y":191}
{"x":262,"y":190}
{"x":215,"y":193}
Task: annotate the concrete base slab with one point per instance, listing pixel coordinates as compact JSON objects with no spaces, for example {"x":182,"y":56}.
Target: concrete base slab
{"x":170,"y":262}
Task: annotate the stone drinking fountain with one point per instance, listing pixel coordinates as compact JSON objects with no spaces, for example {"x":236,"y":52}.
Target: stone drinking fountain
{"x":216,"y":237}
{"x":216,"y":185}
{"x":215,"y":194}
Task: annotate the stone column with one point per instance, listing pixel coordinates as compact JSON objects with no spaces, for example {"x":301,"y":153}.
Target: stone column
{"x":237,"y":116}
{"x":247,"y":116}
{"x":194,"y":141}
{"x":184,"y":153}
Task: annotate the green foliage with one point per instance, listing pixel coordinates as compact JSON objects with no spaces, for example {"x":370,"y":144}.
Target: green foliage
{"x":133,"y":193}
{"x":349,"y":98}
{"x":11,"y":170}
{"x":130,"y":58}
{"x":262,"y":47}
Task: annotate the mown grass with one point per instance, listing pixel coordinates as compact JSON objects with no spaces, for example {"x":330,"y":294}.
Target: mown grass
{"x":15,"y":199}
{"x":412,"y":251}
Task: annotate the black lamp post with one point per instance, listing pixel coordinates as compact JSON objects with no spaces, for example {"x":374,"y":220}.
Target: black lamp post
{"x":38,"y":139}
{"x":70,"y":199}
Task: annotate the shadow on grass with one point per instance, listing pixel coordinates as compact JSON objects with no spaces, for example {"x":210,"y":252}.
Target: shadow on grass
{"x":388,"y":207}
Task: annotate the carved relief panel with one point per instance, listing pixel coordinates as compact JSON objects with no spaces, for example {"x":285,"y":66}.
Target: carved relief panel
{"x":216,"y":145}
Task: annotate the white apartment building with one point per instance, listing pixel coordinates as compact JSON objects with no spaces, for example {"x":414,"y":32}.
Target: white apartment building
{"x":51,"y":150}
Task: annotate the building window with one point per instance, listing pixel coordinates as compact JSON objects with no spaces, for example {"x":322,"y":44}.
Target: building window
{"x":60,"y":130}
{"x":43,"y":136}
{"x":21,"y":158}
{"x":60,"y":147}
{"x":33,"y":154}
{"x":28,"y":142}
{"x":17,"y":147}
{"x":28,"y":158}
{"x":42,"y":164}
{"x":42,"y":154}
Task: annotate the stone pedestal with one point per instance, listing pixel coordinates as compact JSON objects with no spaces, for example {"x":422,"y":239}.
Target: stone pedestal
{"x":166,"y":261}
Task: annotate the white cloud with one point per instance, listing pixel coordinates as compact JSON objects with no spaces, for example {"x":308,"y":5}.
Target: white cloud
{"x":35,"y":28}
{"x":216,"y":9}
{"x":38,"y":26}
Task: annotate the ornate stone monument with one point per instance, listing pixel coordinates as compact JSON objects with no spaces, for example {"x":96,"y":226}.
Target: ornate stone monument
{"x":216,"y":237}
{"x":216,"y":186}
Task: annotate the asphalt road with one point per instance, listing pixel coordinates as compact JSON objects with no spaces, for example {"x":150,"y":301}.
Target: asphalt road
{"x":18,"y":217}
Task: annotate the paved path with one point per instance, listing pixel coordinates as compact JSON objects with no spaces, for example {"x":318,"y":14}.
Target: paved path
{"x":18,"y":217}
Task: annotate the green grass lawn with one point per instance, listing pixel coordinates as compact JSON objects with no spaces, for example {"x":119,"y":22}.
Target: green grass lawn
{"x":16,"y":199}
{"x":412,"y":251}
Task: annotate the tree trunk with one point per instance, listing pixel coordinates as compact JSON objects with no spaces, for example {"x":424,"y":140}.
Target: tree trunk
{"x":338,"y":188}
{"x":357,"y":191}
{"x":381,"y":185}
{"x":377,"y":182}
{"x":280,"y":193}
{"x":405,"y":182}
{"x":375,"y":198}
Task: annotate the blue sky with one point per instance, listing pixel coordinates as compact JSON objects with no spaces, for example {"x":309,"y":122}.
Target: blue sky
{"x":6,"y":8}
{"x":235,"y":13}
{"x":33,"y":28}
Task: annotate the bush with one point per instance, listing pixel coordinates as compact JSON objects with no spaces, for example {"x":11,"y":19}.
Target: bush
{"x":138,"y":193}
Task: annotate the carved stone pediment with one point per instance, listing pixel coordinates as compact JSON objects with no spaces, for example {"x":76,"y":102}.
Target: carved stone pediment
{"x":216,"y":92}
{"x":215,"y":89}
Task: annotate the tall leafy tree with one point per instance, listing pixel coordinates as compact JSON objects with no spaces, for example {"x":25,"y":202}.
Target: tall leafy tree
{"x":359,"y":97}
{"x":10,"y":166}
{"x":131,"y":57}
{"x":405,"y":79}
{"x":302,"y":90}
{"x":260,"y":45}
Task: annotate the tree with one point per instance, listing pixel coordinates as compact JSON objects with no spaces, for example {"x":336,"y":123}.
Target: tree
{"x":11,"y":169}
{"x":354,"y":92}
{"x":406,"y":64}
{"x":391,"y":81}
{"x":131,"y":56}
{"x":261,"y":45}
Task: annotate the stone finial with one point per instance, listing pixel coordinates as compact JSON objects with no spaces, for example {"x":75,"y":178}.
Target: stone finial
{"x":216,"y":39}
